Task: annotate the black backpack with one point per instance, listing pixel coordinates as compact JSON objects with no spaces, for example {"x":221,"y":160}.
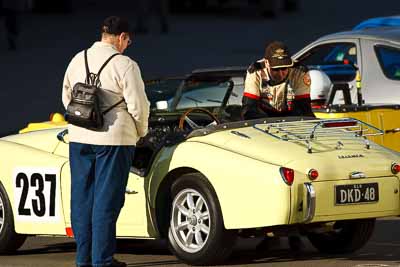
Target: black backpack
{"x":84,"y":109}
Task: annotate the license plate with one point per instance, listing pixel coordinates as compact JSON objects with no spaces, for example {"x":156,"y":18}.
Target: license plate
{"x":356,"y":193}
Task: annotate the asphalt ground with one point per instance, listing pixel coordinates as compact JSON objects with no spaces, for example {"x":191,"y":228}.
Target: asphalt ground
{"x":31,"y":78}
{"x":383,"y":250}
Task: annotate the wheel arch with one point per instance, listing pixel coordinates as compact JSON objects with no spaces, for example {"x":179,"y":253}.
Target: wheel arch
{"x":163,"y":197}
{"x":238,"y":181}
{"x":7,"y":195}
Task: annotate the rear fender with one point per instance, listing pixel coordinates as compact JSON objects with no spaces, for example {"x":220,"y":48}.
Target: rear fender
{"x":251,"y":193}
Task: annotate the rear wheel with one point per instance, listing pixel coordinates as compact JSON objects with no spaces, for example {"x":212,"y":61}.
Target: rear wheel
{"x":345,"y":236}
{"x":196,"y":234}
{"x":10,"y":241}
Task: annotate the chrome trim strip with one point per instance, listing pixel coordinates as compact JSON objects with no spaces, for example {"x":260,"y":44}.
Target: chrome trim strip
{"x":240,"y":134}
{"x":357,"y":175}
{"x":310,"y":198}
{"x":130,"y":192}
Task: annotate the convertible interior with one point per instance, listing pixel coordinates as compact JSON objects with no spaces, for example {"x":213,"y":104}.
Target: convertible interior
{"x":197,"y":102}
{"x":200,"y":104}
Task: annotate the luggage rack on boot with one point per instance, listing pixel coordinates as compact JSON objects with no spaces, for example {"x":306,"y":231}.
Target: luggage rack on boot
{"x":318,"y":130}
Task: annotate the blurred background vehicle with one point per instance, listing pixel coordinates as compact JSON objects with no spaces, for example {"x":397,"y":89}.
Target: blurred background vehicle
{"x":391,"y":21}
{"x":364,"y":68}
{"x":374,"y":53}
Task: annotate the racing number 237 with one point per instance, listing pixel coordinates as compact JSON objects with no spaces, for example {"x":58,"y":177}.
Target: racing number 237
{"x":36,"y":181}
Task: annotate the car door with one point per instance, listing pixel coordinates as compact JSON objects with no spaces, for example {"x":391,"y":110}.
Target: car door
{"x":337,"y":58}
{"x":134,"y":217}
{"x":380,"y":77}
{"x":380,"y":82}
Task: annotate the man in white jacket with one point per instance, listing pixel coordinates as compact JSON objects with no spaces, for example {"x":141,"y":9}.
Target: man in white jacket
{"x":100,"y":160}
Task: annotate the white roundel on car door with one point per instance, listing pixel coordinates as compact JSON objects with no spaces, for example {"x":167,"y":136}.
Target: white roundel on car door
{"x":36,"y":194}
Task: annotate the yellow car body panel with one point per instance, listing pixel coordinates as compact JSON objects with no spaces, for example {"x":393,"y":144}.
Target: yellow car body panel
{"x":36,"y":165}
{"x":245,"y":178}
{"x":242,"y":166}
{"x":56,"y":120}
{"x":233,"y":177}
{"x":43,"y":140}
{"x":134,"y":217}
{"x":386,"y":119}
{"x":388,"y":186}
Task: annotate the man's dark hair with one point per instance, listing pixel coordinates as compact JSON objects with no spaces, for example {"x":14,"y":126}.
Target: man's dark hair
{"x":115,"y":25}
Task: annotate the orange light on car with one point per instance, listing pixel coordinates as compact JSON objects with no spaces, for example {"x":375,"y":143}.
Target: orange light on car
{"x":312,"y":174}
{"x":395,"y":168}
{"x":56,"y":117}
{"x":287,"y":175}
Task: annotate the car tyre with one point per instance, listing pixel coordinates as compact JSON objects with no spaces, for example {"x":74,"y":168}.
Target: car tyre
{"x":346,"y":236}
{"x":10,"y":241}
{"x":196,"y":233}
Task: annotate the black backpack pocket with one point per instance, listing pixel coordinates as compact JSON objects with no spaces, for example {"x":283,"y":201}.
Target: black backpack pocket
{"x":84,"y":110}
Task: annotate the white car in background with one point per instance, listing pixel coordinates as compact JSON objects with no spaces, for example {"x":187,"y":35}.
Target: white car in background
{"x":364,"y":68}
{"x":373,"y":52}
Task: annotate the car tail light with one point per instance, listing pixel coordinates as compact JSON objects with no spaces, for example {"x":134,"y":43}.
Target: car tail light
{"x":287,"y":175}
{"x":312,"y":174}
{"x":395,"y":168}
{"x":339,"y":124}
{"x":318,"y":103}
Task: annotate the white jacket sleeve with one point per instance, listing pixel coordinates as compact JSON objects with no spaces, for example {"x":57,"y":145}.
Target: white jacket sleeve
{"x":136,"y":99}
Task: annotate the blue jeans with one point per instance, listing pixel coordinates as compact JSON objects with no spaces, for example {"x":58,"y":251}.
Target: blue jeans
{"x":99,"y":175}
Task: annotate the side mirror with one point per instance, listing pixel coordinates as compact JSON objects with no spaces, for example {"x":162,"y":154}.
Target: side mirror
{"x":61,"y":136}
{"x":162,"y":105}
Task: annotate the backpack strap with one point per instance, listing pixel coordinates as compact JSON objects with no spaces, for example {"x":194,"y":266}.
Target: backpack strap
{"x":87,"y":81}
{"x":105,"y":63}
{"x":113,"y":106}
{"x":91,"y":78}
{"x":94,"y":79}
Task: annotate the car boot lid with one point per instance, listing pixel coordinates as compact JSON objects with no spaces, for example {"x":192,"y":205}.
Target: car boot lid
{"x":340,"y":145}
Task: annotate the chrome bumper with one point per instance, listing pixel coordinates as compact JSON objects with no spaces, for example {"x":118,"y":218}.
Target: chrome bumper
{"x":309,"y":202}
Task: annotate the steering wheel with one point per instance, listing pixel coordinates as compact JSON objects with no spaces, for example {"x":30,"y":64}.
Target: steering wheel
{"x":191,"y":123}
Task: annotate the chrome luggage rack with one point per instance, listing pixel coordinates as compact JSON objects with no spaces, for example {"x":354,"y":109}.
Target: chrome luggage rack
{"x":318,"y":130}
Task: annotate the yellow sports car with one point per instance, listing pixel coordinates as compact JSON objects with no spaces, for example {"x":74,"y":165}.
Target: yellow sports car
{"x":201,"y":178}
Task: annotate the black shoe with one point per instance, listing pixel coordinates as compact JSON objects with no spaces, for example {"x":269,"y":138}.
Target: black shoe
{"x":116,"y":263}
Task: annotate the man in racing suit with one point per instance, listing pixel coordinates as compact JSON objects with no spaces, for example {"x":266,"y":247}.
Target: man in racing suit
{"x":276,"y":87}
